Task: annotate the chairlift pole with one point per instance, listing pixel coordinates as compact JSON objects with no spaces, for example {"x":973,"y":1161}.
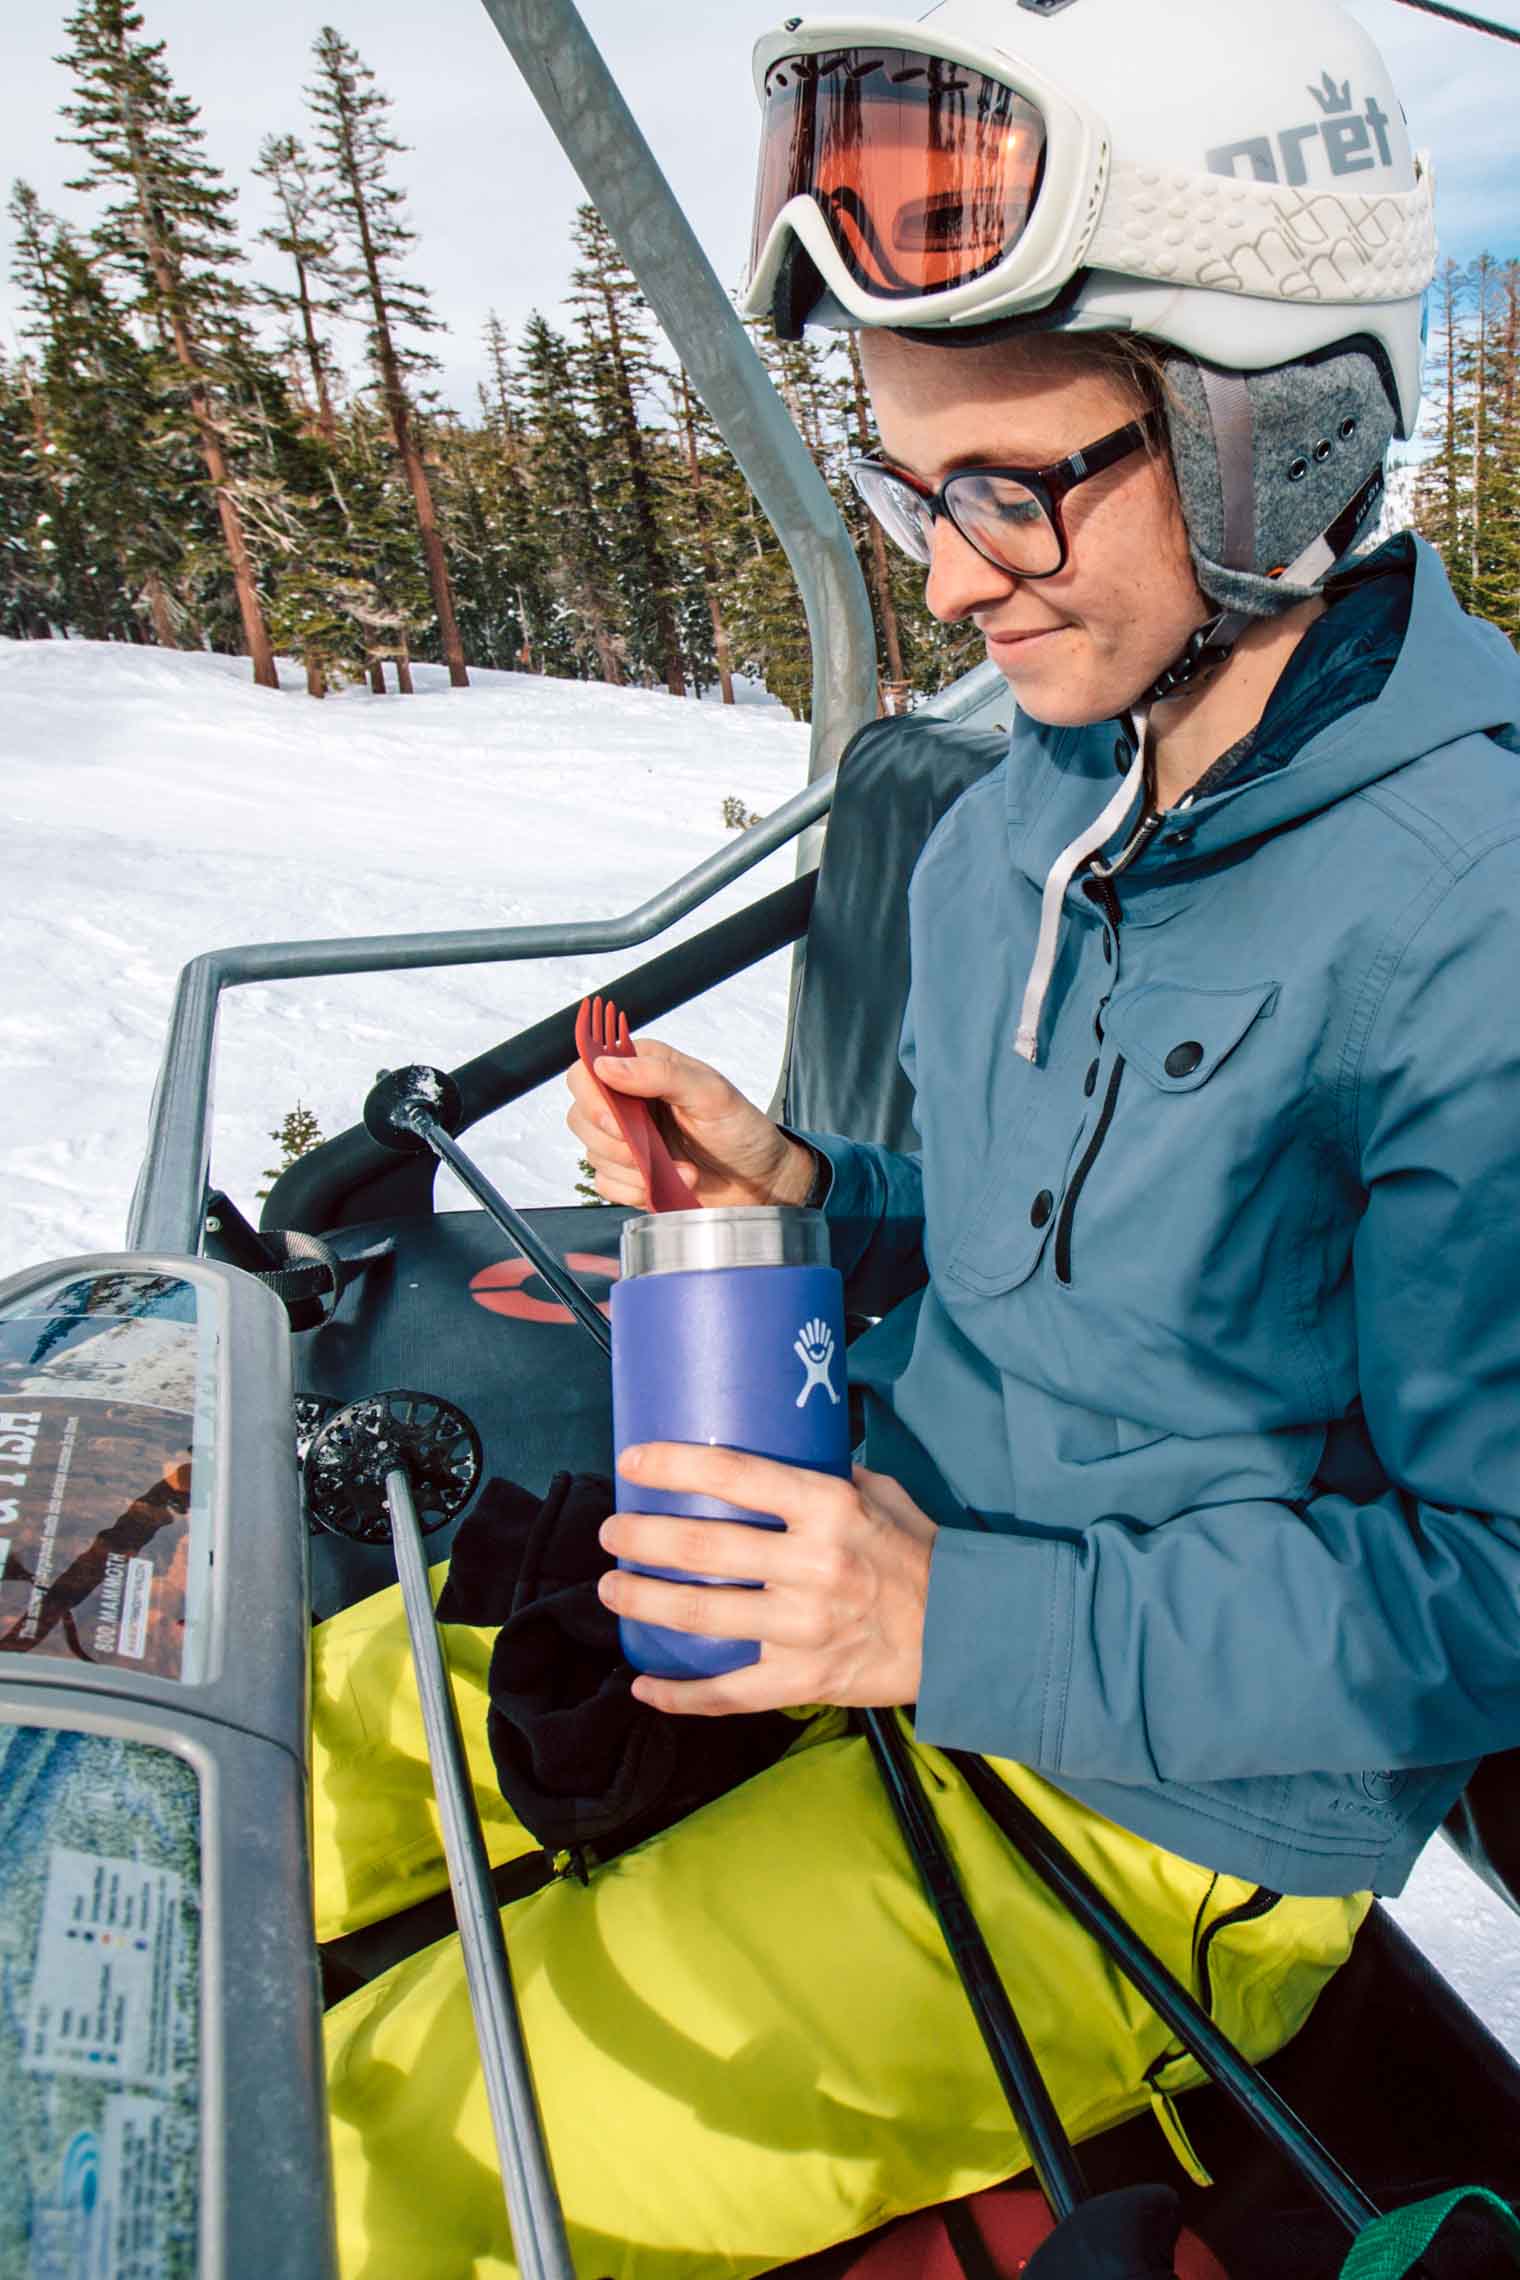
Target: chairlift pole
{"x":1466,"y":17}
{"x":582,"y":102}
{"x":580,"y":99}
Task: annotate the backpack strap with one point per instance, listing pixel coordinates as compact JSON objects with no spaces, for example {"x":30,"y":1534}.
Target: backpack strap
{"x":1393,"y":2245}
{"x":964,"y":2235}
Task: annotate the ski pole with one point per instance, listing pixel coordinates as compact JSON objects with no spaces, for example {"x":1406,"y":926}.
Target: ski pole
{"x":399,"y":1463}
{"x":533,"y":2206}
{"x":1189,"y":2022}
{"x":1051,"y":2153}
{"x":418,"y":1108}
{"x":1126,"y":2235}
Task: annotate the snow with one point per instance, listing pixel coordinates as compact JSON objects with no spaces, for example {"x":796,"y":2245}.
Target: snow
{"x":159,"y":805}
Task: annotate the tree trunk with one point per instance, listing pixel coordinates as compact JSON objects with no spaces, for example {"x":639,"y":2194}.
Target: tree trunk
{"x":525,"y":654}
{"x":611,"y":663}
{"x":1453,"y":505}
{"x":327,"y":426}
{"x":377,"y":676}
{"x":643,"y":503}
{"x":404,"y":673}
{"x":881,"y":573}
{"x":316,"y":679}
{"x":1482,"y":268}
{"x":398,"y":411}
{"x":721,"y":649}
{"x":158,"y":610}
{"x":245,"y":586}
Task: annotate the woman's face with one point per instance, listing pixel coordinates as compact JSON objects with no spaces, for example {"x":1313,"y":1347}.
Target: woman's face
{"x":1081,"y":646}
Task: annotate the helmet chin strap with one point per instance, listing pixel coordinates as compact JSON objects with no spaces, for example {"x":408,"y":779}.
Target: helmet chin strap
{"x":1230,"y":415}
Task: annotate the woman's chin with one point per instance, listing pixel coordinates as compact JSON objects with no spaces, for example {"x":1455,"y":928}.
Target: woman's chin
{"x":1048,"y":678}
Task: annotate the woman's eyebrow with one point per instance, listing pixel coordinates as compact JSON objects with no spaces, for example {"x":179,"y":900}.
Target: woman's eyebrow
{"x":961,"y":460}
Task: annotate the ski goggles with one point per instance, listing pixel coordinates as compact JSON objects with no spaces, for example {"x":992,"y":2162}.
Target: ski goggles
{"x":1011,"y":515}
{"x":925,"y":171}
{"x":910,"y":178}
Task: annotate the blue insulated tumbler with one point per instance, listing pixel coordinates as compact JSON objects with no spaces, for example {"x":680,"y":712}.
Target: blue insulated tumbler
{"x":727,"y":1328}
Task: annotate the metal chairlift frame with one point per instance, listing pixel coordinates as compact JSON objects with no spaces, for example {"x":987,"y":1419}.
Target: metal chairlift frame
{"x":583,"y":105}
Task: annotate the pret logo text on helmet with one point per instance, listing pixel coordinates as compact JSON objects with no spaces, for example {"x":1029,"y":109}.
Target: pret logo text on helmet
{"x":1353,"y":141}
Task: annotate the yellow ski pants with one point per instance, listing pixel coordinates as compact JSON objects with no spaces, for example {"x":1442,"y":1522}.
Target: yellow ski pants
{"x":747,"y":2037}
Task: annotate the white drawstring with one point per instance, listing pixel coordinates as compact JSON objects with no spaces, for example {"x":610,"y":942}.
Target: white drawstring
{"x":1062,"y":871}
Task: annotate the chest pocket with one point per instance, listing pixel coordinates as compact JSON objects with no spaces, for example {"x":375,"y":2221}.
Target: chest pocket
{"x":1176,"y":1035}
{"x":999,"y":1240}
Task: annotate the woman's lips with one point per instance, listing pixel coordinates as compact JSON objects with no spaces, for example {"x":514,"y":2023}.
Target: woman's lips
{"x":1011,"y":645}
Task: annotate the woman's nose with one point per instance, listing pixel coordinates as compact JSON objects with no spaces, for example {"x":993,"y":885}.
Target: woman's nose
{"x":960,"y":580}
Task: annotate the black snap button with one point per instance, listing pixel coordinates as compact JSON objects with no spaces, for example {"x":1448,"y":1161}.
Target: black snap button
{"x":1108,"y":951}
{"x":1348,"y":429}
{"x":1298,"y":470}
{"x":1184,"y":1059}
{"x":1178,"y":838}
{"x":1041,"y":1208}
{"x":1122,"y":755}
{"x":1090,"y":1081}
{"x":1323,"y":449}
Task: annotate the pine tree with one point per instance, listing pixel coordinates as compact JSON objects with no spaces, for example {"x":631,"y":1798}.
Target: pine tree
{"x":1467,"y":491}
{"x":304,"y":234}
{"x":27,"y":581}
{"x":169,"y":233}
{"x":567,"y":513}
{"x":134,"y":490}
{"x":878,"y":570}
{"x":619,"y":368}
{"x":350,"y":112}
{"x":59,"y":584}
{"x":702,"y":449}
{"x":389,"y":600}
{"x":297,"y":1133}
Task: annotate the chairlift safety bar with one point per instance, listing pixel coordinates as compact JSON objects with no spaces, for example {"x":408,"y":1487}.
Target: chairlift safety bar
{"x":169,"y":1204}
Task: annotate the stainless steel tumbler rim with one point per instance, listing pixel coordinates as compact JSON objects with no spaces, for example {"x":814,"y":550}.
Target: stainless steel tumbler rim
{"x":737,"y":1235}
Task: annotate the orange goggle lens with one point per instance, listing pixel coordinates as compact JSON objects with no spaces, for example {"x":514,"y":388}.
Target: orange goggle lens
{"x":926,"y":172}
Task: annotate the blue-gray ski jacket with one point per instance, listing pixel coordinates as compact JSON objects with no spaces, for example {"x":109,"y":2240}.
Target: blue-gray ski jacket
{"x":1216,"y":1374}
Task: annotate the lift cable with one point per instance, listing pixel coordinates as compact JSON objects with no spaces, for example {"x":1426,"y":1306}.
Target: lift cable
{"x":1465,"y":16}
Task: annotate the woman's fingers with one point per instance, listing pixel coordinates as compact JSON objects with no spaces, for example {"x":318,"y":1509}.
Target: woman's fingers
{"x":790,"y":1493}
{"x":765,"y":1685}
{"x":711,"y":1611}
{"x":725,"y":1548}
{"x":599,"y":1138}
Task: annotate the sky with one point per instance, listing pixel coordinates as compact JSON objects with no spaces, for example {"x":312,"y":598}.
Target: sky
{"x":491,"y":195}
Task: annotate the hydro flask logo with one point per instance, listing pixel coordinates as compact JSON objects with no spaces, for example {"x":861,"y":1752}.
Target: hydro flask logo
{"x":815,"y":1350}
{"x":1354,"y":141}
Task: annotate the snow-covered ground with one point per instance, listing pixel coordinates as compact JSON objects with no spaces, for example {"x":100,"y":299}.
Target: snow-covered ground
{"x":159,"y":805}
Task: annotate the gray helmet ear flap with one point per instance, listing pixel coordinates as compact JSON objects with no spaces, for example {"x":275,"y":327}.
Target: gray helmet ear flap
{"x":1307,"y":438}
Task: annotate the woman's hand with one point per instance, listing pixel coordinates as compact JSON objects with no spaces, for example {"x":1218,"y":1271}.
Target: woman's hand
{"x":841,"y":1618}
{"x":726,"y":1150}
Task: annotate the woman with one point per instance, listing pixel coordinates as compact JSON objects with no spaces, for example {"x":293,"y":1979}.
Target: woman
{"x":1191,"y":1486}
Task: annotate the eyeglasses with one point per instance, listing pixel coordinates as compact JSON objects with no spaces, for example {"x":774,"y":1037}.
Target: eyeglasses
{"x":1011,"y":515}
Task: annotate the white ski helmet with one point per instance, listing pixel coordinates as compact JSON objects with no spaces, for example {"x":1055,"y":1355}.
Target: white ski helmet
{"x":1235,"y":183}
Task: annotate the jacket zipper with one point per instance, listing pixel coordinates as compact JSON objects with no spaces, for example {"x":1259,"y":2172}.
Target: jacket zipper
{"x":1079,"y":1176}
{"x":1261,"y":1903}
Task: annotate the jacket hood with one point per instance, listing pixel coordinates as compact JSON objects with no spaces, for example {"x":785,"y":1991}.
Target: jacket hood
{"x":1392,"y":671}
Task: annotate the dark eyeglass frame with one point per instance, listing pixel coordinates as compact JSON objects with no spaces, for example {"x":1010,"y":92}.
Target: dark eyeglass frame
{"x":1048,"y":486}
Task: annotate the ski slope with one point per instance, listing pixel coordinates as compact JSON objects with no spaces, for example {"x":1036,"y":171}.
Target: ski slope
{"x":158,"y":805}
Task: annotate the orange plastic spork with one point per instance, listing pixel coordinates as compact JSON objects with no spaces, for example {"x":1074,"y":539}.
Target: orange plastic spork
{"x":600,"y":1028}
